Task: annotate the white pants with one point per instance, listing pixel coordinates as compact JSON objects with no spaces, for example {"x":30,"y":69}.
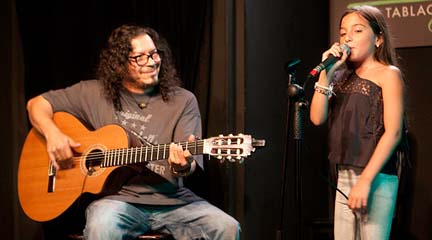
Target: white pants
{"x":376,"y":223}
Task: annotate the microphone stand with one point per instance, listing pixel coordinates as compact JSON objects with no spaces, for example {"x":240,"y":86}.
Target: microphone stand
{"x":296,"y":98}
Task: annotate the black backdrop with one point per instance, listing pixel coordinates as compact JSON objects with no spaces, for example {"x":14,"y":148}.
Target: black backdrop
{"x":62,"y":39}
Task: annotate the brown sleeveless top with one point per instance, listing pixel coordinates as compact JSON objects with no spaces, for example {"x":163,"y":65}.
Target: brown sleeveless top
{"x":356,"y":122}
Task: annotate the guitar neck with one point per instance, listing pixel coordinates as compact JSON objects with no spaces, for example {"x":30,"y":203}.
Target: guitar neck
{"x":142,"y":154}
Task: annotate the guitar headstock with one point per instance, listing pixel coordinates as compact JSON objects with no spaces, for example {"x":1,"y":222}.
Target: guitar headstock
{"x":231,"y":147}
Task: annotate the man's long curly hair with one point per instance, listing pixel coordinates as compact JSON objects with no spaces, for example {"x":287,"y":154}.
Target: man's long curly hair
{"x":114,"y":60}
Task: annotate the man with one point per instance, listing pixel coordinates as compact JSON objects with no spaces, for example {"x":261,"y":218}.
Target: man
{"x":137,"y":88}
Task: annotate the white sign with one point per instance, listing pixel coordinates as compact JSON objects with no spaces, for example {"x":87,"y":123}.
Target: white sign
{"x":410,"y":21}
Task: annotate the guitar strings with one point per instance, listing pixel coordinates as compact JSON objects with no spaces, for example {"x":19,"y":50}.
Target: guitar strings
{"x":97,"y":156}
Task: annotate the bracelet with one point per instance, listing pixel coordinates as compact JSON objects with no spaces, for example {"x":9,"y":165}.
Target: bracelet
{"x":182,"y":170}
{"x":328,"y":91}
{"x":191,"y":165}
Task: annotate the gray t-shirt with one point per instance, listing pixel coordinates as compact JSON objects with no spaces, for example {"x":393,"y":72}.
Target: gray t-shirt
{"x":159,"y":122}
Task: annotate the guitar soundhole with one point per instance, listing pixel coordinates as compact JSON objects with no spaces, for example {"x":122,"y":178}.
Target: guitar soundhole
{"x":93,"y":161}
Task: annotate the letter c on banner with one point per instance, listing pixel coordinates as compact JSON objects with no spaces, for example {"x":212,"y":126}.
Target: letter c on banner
{"x":430,"y":26}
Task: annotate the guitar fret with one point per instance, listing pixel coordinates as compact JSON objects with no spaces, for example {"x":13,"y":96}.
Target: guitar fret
{"x":167,"y":148}
{"x":113,"y":156}
{"x":164,"y":151}
{"x":140,"y":156}
{"x":136,"y":154}
{"x":119,"y":157}
{"x":103,"y":164}
{"x":108,"y":153}
{"x":128,"y":157}
{"x":125,"y":157}
{"x":146,"y":153}
{"x":157,"y":156}
{"x":151,"y":153}
{"x":103,"y":160}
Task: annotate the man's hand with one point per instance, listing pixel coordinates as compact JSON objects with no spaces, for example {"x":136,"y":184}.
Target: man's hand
{"x":60,"y":147}
{"x":178,"y":159}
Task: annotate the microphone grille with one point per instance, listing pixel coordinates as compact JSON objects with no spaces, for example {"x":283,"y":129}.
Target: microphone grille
{"x":346,"y":48}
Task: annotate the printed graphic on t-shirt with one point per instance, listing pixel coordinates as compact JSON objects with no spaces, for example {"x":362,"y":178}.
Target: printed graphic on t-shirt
{"x":136,"y":124}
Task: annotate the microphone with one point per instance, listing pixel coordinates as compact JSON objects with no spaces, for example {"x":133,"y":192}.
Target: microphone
{"x":331,"y":59}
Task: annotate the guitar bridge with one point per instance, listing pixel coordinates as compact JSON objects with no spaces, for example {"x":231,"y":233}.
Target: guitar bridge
{"x":51,"y":177}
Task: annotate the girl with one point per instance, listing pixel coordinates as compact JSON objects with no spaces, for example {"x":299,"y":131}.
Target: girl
{"x":361,"y":96}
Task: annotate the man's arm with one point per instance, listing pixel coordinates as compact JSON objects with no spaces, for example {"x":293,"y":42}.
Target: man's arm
{"x":41,"y":117}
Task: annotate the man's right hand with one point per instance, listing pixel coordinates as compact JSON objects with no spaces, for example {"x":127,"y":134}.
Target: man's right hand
{"x":60,"y":149}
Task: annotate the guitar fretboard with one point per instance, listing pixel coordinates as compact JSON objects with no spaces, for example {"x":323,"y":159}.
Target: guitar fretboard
{"x":126,"y":156}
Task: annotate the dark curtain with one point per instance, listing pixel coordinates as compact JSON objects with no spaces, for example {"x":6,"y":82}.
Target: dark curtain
{"x":62,"y":40}
{"x":12,"y":122}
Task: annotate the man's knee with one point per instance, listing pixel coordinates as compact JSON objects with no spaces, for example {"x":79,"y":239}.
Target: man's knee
{"x":104,"y":214}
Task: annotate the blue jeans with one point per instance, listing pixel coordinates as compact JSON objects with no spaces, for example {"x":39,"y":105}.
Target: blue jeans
{"x":376,"y":222}
{"x":112,"y":219}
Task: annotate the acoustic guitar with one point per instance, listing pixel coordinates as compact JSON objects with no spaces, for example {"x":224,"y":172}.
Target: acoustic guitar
{"x":45,"y":193}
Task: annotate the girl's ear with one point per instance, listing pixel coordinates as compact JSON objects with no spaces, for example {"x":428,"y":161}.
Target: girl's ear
{"x":378,"y":40}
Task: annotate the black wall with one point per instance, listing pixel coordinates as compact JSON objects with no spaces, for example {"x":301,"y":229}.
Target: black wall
{"x":276,"y":33}
{"x":415,"y":202}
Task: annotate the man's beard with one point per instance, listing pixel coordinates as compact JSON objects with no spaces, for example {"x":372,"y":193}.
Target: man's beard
{"x":151,"y":85}
{"x":137,"y":84}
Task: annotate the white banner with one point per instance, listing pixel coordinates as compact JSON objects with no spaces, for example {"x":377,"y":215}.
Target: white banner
{"x":410,"y":21}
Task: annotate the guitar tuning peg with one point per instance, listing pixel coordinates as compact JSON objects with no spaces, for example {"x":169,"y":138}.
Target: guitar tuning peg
{"x":230,"y":135}
{"x":220,"y":135}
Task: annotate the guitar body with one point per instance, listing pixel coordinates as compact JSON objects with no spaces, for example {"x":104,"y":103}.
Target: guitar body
{"x":43,"y":197}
